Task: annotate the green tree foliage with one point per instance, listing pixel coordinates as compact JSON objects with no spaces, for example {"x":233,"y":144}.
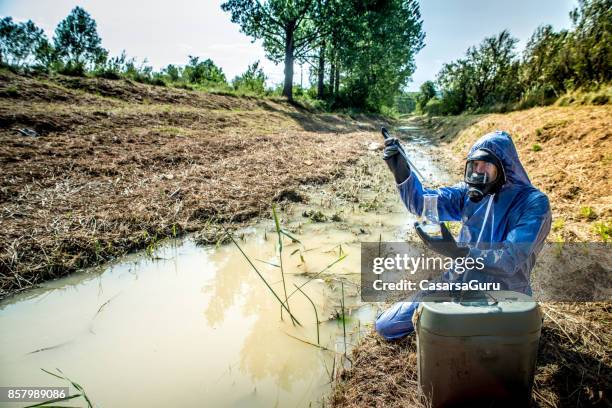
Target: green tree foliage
{"x":77,"y":42}
{"x":546,"y":64}
{"x":252,"y":81}
{"x":368,"y":51}
{"x":553,"y":63}
{"x":487,"y":75}
{"x":287,"y":27}
{"x":427,"y":91}
{"x":113,"y":68}
{"x":173,"y":72}
{"x":406,"y":102}
{"x":23,"y":44}
{"x":203,"y":72}
{"x":592,"y":42}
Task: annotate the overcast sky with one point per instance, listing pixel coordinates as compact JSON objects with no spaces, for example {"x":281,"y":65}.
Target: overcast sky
{"x":166,"y":32}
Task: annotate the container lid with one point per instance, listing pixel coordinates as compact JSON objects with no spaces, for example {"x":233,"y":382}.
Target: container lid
{"x":494,"y":313}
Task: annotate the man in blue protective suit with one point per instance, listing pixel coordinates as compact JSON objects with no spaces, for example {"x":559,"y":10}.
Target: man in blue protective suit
{"x":505,"y":220}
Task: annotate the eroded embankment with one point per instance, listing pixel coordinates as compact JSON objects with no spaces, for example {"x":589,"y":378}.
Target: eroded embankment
{"x":117,"y":165}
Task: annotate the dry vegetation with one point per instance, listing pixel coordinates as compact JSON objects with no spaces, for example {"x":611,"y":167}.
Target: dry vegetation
{"x":574,"y":368}
{"x":119,"y":165}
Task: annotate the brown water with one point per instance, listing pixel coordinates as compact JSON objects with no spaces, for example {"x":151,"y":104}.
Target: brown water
{"x":195,"y":326}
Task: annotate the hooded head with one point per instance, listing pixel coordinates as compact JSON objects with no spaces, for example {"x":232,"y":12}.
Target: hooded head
{"x":498,"y":150}
{"x":501,"y":144}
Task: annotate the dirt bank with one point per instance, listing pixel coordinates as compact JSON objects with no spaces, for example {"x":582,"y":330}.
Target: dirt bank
{"x":116,"y":166}
{"x":567,"y":152}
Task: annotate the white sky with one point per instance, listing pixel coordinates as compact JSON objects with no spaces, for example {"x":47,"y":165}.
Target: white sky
{"x":167,"y":32}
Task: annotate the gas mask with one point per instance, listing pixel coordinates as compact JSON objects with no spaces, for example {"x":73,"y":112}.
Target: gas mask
{"x":484,"y":174}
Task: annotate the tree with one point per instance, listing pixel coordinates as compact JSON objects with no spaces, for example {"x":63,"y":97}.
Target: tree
{"x":427,"y":92}
{"x":287,"y":28}
{"x":77,"y":42}
{"x":487,"y":75}
{"x":172,"y":72}
{"x":203,"y":72}
{"x":546,"y":64}
{"x":591,"y":42}
{"x":373,"y":51}
{"x":454,"y":81}
{"x":22,"y":43}
{"x":253,"y":80}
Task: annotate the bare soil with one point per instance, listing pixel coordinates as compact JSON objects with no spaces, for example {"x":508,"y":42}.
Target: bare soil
{"x":117,"y":166}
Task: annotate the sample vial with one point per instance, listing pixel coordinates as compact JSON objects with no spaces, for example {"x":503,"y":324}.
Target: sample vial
{"x":430,"y":222}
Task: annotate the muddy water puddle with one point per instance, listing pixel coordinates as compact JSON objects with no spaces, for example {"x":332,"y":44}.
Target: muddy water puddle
{"x":195,"y":326}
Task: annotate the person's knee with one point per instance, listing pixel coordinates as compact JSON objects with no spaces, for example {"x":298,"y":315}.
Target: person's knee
{"x":396,"y":322}
{"x":384,"y":327}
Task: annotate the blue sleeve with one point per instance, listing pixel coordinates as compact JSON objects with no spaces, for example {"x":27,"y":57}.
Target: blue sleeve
{"x":523,"y":242}
{"x":450,"y":199}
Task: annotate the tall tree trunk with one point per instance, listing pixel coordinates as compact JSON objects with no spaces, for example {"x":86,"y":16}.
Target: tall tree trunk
{"x":288,"y":87}
{"x":332,"y":75}
{"x":321,"y":79}
{"x":337,"y":80}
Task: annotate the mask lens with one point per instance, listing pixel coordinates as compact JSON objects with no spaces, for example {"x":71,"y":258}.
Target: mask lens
{"x":480,"y":172}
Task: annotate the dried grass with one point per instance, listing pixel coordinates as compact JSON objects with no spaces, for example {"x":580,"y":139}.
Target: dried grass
{"x":574,"y":367}
{"x":119,"y":166}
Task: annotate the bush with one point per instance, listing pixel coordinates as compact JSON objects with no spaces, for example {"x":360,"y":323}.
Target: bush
{"x":204,"y":73}
{"x":113,"y":68}
{"x":539,"y":96}
{"x":604,"y":230}
{"x":588,"y":213}
{"x":252,"y":81}
{"x":447,"y":105}
{"x":70,"y":69}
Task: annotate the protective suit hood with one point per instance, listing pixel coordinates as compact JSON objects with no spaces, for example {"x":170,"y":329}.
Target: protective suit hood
{"x":500,"y":143}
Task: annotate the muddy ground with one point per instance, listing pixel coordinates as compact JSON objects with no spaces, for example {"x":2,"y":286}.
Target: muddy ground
{"x":115,"y":166}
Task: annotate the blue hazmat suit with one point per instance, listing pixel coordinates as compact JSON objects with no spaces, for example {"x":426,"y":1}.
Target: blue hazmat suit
{"x":507,"y":229}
